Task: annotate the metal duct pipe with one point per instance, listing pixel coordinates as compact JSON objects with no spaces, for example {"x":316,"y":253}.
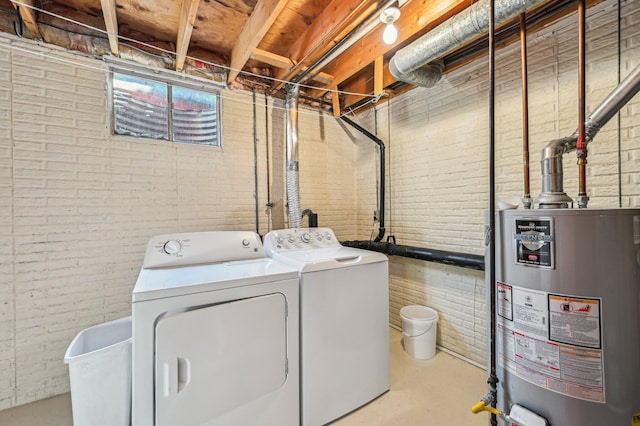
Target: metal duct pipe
{"x":378,"y":141}
{"x":293,"y":185}
{"x":553,"y":195}
{"x":406,"y":64}
{"x":463,"y":260}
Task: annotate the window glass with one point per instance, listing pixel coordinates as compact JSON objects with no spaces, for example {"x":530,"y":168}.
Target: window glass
{"x":194,"y":116}
{"x":140,"y":107}
{"x":166,"y":110}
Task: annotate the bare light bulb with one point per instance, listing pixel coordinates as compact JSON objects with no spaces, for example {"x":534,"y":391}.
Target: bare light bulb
{"x":388,"y":17}
{"x":390,"y":34}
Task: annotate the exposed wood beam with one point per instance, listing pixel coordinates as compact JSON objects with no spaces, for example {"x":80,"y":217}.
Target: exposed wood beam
{"x":336,"y":101}
{"x":335,"y":22}
{"x":338,"y":17}
{"x":111,"y":24}
{"x":263,"y":16}
{"x":418,"y":17}
{"x":378,"y":67}
{"x":29,"y":17}
{"x":286,"y":63}
{"x":185,"y":28}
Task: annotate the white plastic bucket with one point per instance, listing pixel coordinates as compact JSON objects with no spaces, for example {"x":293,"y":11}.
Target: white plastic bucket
{"x":99,"y":361}
{"x":419,"y":326}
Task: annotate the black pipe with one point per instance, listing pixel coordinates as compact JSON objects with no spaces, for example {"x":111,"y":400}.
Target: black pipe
{"x":472,"y":261}
{"x":377,"y":140}
{"x":492,"y":380}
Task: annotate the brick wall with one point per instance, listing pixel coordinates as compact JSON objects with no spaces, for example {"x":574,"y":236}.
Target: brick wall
{"x":77,"y":205}
{"x":437,"y":143}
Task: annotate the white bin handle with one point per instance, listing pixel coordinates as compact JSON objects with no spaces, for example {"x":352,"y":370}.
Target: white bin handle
{"x":424,"y":332}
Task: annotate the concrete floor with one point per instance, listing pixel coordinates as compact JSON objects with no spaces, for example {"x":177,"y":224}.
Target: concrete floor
{"x":434,"y":392}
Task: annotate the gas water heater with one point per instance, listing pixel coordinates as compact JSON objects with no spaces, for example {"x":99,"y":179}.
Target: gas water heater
{"x":568,"y":314}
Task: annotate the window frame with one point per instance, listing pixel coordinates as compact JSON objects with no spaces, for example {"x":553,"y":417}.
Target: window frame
{"x":171,"y":79}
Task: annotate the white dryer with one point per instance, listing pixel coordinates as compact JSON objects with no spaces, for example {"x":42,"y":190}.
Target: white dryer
{"x":344,"y":321}
{"x":215,"y":334}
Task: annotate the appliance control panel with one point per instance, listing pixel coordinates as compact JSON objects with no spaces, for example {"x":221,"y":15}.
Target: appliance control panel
{"x":196,"y":248}
{"x":299,"y":239}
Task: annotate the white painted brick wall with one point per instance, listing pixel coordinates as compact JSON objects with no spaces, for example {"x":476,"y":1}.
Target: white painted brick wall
{"x":7,"y":323}
{"x":77,"y":205}
{"x":438,"y":159}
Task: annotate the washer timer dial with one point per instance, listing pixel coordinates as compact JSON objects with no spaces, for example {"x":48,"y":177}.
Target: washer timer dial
{"x":172,"y":247}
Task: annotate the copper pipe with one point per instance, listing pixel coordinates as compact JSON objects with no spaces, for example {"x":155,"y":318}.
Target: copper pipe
{"x":526,"y":199}
{"x":581,"y":146}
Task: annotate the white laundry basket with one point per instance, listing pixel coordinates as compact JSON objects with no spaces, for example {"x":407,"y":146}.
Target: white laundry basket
{"x":419,"y":326}
{"x":99,"y":360}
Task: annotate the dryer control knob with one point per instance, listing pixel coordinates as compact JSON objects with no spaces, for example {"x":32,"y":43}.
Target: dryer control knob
{"x":246,"y":242}
{"x":306,"y":237}
{"x":172,"y":247}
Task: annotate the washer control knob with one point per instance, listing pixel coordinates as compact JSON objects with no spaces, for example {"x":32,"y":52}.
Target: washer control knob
{"x":291,"y":239}
{"x":246,"y":242}
{"x":306,"y":237}
{"x":172,"y":247}
{"x":327,"y":236}
{"x":319,"y":236}
{"x":280,"y":240}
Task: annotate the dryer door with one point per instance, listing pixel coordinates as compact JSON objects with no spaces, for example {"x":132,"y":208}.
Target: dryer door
{"x":214,"y":359}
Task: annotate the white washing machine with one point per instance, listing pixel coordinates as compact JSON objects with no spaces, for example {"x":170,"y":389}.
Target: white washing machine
{"x":344,"y":321}
{"x":215,"y":334}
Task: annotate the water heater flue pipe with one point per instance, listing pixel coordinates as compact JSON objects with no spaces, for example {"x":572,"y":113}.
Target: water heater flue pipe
{"x":553,"y":195}
{"x":293,"y":185}
{"x":408,"y":64}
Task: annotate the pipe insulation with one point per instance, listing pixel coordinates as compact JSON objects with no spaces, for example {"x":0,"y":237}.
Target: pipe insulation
{"x":553,"y":194}
{"x":293,"y":178}
{"x":408,"y":64}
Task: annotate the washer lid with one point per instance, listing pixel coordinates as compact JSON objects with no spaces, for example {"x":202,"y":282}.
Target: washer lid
{"x":321,"y":259}
{"x":169,"y":282}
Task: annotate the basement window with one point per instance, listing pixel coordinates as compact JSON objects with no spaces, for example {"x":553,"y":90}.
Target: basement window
{"x":163,"y":109}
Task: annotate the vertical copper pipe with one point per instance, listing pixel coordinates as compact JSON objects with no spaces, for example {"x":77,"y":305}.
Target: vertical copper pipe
{"x":526,"y":200}
{"x":581,"y":146}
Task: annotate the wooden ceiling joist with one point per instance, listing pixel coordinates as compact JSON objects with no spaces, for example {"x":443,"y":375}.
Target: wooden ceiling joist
{"x":335,"y":22}
{"x":263,"y":16}
{"x":188,"y":13}
{"x":286,"y":63}
{"x":418,"y":16}
{"x":29,"y":16}
{"x":111,"y":24}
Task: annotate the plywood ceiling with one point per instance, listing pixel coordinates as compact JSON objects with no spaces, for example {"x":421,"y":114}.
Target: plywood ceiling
{"x":257,"y":43}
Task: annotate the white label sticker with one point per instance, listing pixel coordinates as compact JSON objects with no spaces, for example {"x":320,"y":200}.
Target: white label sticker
{"x":553,"y":341}
{"x":575,"y":321}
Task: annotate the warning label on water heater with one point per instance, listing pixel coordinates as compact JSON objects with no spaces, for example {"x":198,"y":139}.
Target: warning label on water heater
{"x":551,"y":340}
{"x":534,"y":242}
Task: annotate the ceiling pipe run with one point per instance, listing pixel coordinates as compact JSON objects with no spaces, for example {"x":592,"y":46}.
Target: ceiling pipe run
{"x":408,"y":63}
{"x":553,"y":195}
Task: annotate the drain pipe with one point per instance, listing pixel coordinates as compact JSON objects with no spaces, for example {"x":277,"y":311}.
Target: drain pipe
{"x":553,"y":195}
{"x":463,"y":260}
{"x":293,"y":178}
{"x":408,"y":63}
{"x":378,"y":141}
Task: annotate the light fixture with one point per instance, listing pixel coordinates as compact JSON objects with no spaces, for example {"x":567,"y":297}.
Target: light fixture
{"x":388,"y":17}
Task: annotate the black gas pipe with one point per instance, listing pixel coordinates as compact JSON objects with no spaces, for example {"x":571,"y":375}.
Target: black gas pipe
{"x":378,"y":141}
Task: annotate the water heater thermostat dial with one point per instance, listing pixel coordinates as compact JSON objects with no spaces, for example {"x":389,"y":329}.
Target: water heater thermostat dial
{"x":172,"y":247}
